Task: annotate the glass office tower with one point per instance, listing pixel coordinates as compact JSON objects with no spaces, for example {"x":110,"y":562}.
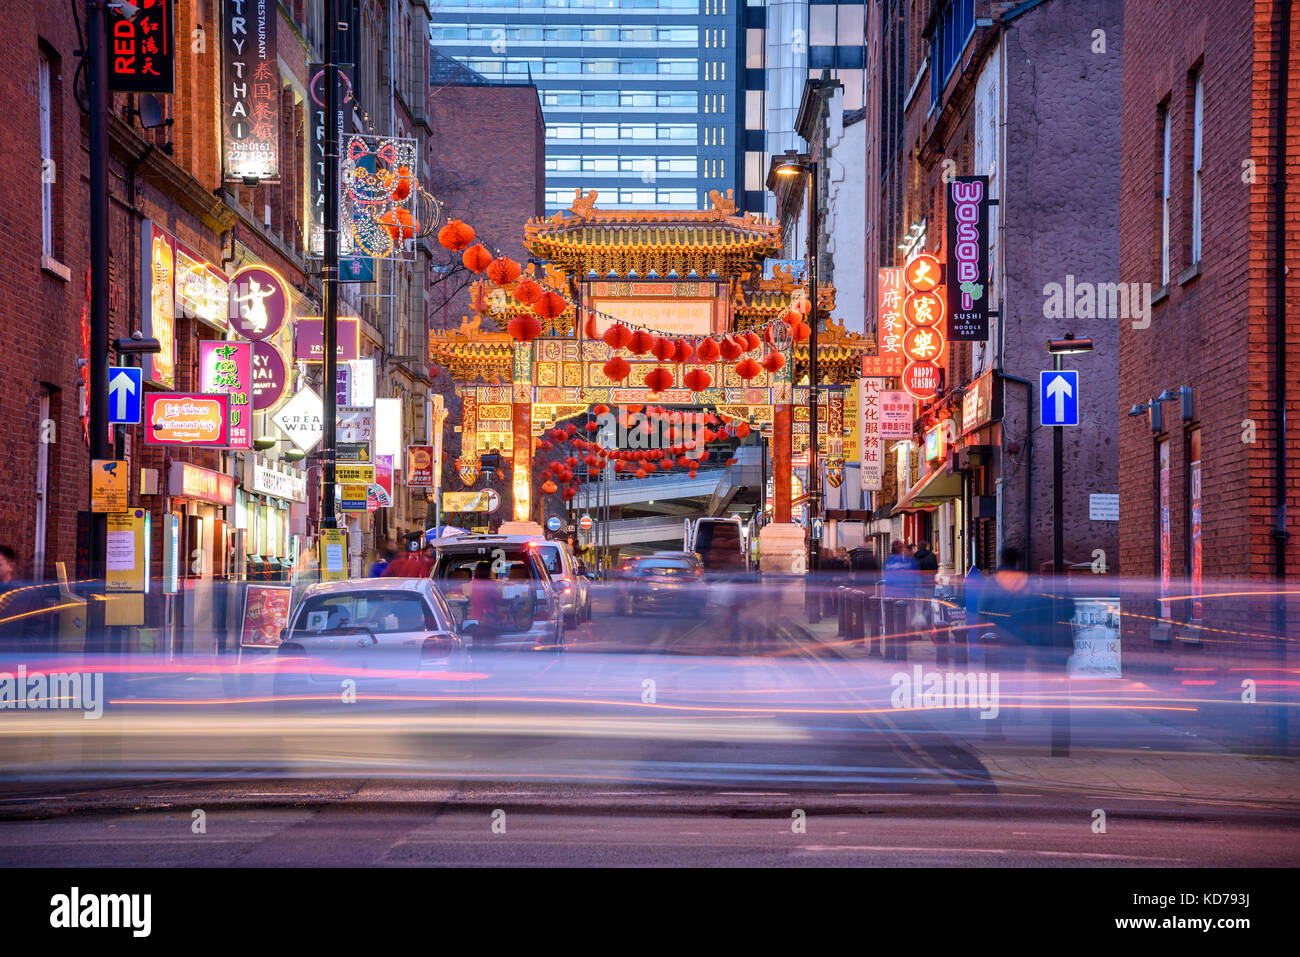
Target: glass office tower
{"x":643,"y":99}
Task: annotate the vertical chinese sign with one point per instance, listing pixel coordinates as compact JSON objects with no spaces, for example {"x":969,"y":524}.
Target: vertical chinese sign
{"x":923,"y":312}
{"x":967,"y":248}
{"x":890,"y":295}
{"x":142,"y":48}
{"x":869,"y":390}
{"x":226,"y":368}
{"x":158,"y":301}
{"x":250,"y":90}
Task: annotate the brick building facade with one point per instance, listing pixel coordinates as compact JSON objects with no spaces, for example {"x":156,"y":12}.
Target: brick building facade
{"x":1201,"y":82}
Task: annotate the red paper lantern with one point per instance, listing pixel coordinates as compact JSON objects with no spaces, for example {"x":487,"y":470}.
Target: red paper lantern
{"x":685,"y":350}
{"x":566,"y":475}
{"x":527,"y":291}
{"x":524,"y":328}
{"x":403,"y":182}
{"x":589,"y":328}
{"x":747,"y":369}
{"x":476,"y":257}
{"x":601,"y":409}
{"x":752,"y":340}
{"x":557,"y":468}
{"x":503,"y":270}
{"x":549,"y":487}
{"x":657,"y":380}
{"x":742,"y":429}
{"x":592,"y":426}
{"x":570,"y":461}
{"x":640,"y":343}
{"x":618,"y":467}
{"x":697,"y":380}
{"x":773,"y":361}
{"x":617,"y":336}
{"x":684,"y":461}
{"x":617,"y":369}
{"x":569,"y":493}
{"x":802,"y":332}
{"x":570,"y":429}
{"x":556,"y":435}
{"x":456,"y":235}
{"x":640,"y":473}
{"x":730,"y":349}
{"x":707,"y":351}
{"x":544,"y":445}
{"x":692,"y":473}
{"x":549,"y":305}
{"x":650,"y":467}
{"x":664,"y":350}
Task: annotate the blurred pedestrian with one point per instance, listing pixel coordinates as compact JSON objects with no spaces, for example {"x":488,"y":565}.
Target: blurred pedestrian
{"x":22,"y":627}
{"x":927,"y":565}
{"x":382,"y":560}
{"x":899,"y":594}
{"x":864,"y":576}
{"x":411,"y":564}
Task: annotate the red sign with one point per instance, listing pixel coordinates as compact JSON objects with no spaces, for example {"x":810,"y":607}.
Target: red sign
{"x":194,"y":420}
{"x":923,"y":274}
{"x":142,"y":54}
{"x":266,"y":613}
{"x":923,"y":309}
{"x":921,"y":379}
{"x":419,"y":466}
{"x":923,"y":344}
{"x":890,"y":293}
{"x":204,"y":485}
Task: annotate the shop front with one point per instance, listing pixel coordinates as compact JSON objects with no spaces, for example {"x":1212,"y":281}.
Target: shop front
{"x":272,"y":495}
{"x":205,"y":538}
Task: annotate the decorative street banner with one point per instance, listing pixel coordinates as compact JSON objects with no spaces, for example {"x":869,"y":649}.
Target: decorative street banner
{"x":872,"y":459}
{"x":377,"y":193}
{"x":227,"y":368}
{"x":270,"y":375}
{"x":966,"y":243}
{"x":143,"y":51}
{"x":158,"y":302}
{"x":259,"y":302}
{"x":343,"y":102}
{"x":419,"y":466}
{"x":194,"y":420}
{"x":250,"y":90}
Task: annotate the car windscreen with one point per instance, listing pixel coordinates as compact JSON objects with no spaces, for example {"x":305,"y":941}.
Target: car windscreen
{"x":496,"y":564}
{"x":662,"y":567}
{"x":378,"y":612}
{"x":551,"y":558}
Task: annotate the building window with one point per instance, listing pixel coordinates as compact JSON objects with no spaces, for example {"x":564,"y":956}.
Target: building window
{"x":1166,"y":123}
{"x":49,"y":168}
{"x":952,"y":28}
{"x":1197,"y":162}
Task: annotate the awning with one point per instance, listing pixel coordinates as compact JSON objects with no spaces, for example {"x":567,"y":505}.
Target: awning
{"x":931,"y":491}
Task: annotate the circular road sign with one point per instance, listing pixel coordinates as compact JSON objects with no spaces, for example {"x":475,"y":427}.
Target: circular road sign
{"x":555,"y":523}
{"x":584,"y":523}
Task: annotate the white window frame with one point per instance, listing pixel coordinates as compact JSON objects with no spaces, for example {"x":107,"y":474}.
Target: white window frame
{"x":44,"y":80}
{"x":1164,"y":197}
{"x":1198,"y":107}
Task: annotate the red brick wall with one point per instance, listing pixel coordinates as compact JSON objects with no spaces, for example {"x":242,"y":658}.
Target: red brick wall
{"x":1213,"y":331}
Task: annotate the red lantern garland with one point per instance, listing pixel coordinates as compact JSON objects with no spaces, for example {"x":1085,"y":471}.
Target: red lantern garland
{"x":773,"y":361}
{"x":657,"y":380}
{"x":476,"y":258}
{"x":664,"y":350}
{"x":617,"y":336}
{"x":617,"y":369}
{"x":697,"y":380}
{"x":527,"y":291}
{"x":707,"y":351}
{"x":503,"y":270}
{"x":730,"y":349}
{"x":456,"y":235}
{"x":640,"y":343}
{"x":747,"y":369}
{"x":550,"y":304}
{"x":524,"y":328}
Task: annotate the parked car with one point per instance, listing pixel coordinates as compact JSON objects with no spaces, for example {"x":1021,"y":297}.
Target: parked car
{"x":659,"y":583}
{"x":569,"y":578}
{"x":500,"y":583}
{"x":384,"y":634}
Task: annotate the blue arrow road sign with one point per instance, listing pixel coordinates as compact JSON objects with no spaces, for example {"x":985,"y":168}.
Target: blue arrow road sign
{"x":125,"y":395}
{"x":1058,"y":397}
{"x":554,"y":523}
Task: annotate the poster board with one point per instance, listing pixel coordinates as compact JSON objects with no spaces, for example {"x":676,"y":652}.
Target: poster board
{"x":266,"y":612}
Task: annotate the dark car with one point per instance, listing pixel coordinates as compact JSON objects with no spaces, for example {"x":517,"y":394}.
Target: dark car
{"x":499,"y":583}
{"x":658,"y":583}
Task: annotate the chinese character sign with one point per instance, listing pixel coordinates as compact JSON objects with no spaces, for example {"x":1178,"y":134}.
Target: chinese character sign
{"x":891,"y":294}
{"x":922,"y":340}
{"x":142,"y":54}
{"x":870,"y":452}
{"x":967,"y":245}
{"x":158,"y":302}
{"x":227,"y":368}
{"x":250,"y":90}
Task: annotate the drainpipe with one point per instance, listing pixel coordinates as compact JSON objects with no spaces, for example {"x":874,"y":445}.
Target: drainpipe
{"x":1280,"y":533}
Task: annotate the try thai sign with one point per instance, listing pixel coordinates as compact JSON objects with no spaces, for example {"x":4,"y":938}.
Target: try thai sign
{"x":250,"y":90}
{"x":967,"y":247}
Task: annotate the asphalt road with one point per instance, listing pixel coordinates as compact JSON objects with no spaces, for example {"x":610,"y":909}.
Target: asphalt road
{"x":758,"y":746}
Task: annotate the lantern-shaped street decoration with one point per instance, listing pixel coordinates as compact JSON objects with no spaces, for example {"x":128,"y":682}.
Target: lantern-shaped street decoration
{"x":707,"y":351}
{"x":747,"y":369}
{"x":476,"y":258}
{"x":617,"y":336}
{"x":503,"y":270}
{"x":657,"y":380}
{"x":549,"y":305}
{"x":697,"y":380}
{"x":456,"y":235}
{"x":640,"y":343}
{"x":617,"y":369}
{"x":524,"y":328}
{"x":527,"y":291}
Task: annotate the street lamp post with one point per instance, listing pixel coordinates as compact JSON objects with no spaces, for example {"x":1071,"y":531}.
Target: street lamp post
{"x":1068,"y":345}
{"x":795,"y":164}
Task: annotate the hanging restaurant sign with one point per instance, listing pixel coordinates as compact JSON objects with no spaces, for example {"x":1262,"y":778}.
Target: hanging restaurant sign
{"x":158,"y":302}
{"x":922,"y":342}
{"x":270,"y":375}
{"x":193,"y":420}
{"x":227,"y":368}
{"x":890,"y":294}
{"x":142,"y":48}
{"x":309,"y":339}
{"x":259,"y":302}
{"x":250,"y":90}
{"x":966,"y":242}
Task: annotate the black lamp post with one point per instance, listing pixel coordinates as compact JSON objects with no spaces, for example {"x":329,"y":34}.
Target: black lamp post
{"x":793,"y":164}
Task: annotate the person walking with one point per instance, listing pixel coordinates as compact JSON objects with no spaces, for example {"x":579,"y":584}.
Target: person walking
{"x":865,"y":579}
{"x":927,"y":566}
{"x":22,"y":627}
{"x":381,"y":562}
{"x":899,"y":593}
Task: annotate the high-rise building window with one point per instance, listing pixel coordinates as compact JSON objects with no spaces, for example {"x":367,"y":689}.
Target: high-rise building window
{"x":1166,"y":124}
{"x":1197,"y":161}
